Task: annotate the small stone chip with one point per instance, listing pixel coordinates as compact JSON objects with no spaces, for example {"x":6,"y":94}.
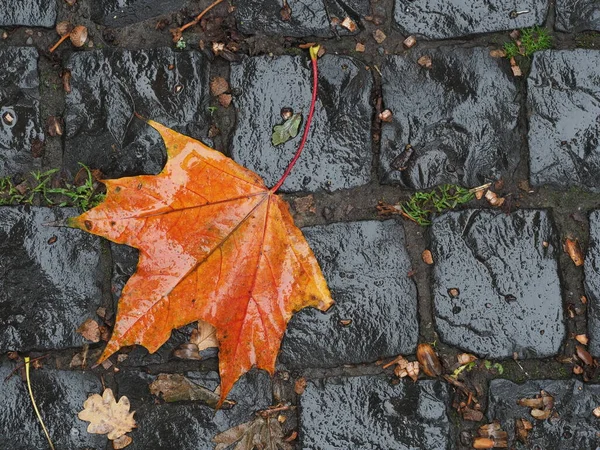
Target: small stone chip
{"x":425,"y":61}
{"x":409,"y":42}
{"x":379,"y":36}
{"x":359,"y":47}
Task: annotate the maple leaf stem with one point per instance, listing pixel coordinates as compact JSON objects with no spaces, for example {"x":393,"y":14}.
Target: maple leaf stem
{"x":315,"y":72}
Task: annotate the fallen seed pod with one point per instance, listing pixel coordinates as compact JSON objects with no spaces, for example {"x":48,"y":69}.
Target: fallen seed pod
{"x":573,"y":249}
{"x":78,"y":36}
{"x":429,"y":360}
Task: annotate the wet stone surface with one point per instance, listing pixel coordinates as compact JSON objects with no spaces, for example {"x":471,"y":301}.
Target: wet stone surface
{"x":592,"y":283}
{"x":101,"y":130}
{"x":369,"y":412}
{"x":577,"y":15}
{"x":459,"y":133}
{"x":50,"y":279}
{"x":314,"y":18}
{"x":59,"y":396}
{"x":564,"y":110}
{"x":366,"y":266}
{"x":338,"y":152}
{"x":21,"y":133}
{"x":573,"y":428}
{"x":191,"y":426}
{"x":496,"y":287}
{"x":443,"y":19}
{"x":119,"y":13}
{"x":31,"y":13}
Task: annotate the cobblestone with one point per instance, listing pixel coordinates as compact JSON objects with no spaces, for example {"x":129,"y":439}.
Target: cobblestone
{"x":564,"y":110}
{"x":21,"y":133}
{"x":577,"y":15}
{"x":107,"y":86}
{"x":30,"y":13}
{"x":496,"y":289}
{"x":118,"y":13}
{"x":315,"y":18}
{"x":366,"y":267}
{"x":572,"y":426}
{"x":458,"y":131}
{"x":441,"y":19}
{"x":338,"y":154}
{"x":192,"y":426}
{"x":50,"y":280}
{"x":60,"y":394}
{"x":369,"y":412}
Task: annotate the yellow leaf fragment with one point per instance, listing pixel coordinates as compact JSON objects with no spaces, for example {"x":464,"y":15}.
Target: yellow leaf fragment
{"x":107,"y":416}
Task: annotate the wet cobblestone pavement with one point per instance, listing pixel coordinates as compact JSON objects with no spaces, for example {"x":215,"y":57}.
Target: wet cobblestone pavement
{"x":500,"y":285}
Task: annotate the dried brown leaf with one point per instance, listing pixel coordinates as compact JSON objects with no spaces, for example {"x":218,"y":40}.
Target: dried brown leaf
{"x":258,"y":433}
{"x":540,"y":414}
{"x":176,"y":388}
{"x":531,"y":403}
{"x":122,"y":442}
{"x":107,"y":416}
{"x":409,"y":42}
{"x":482,"y":443}
{"x":218,"y":86}
{"x":300,"y":385}
{"x":425,"y":61}
{"x":90,"y":330}
{"x":204,"y":336}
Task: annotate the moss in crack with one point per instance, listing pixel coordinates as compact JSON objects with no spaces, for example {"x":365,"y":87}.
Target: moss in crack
{"x":84,"y":194}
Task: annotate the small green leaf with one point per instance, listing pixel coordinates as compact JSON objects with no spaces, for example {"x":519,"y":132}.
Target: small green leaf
{"x":286,"y":131}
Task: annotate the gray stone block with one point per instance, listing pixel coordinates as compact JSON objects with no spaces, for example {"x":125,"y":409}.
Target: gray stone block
{"x":563,"y":101}
{"x":312,"y":18}
{"x":50,"y":279}
{"x":192,"y":425}
{"x":371,"y":413}
{"x":59,"y":396}
{"x":460,"y":117}
{"x":29,"y":13}
{"x":108,"y":86}
{"x":338,"y":152}
{"x":504,"y":270}
{"x":572,"y":426}
{"x":119,"y":13}
{"x":21,"y":132}
{"x":443,"y":19}
{"x":366,"y":266}
{"x":577,"y":15}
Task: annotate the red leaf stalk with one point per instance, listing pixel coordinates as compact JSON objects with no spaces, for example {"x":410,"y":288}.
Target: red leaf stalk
{"x":313,"y":56}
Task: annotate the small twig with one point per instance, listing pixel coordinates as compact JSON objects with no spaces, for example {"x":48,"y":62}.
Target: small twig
{"x":37,"y":412}
{"x":269,"y":412}
{"x":461,"y":386}
{"x":396,"y":360}
{"x":176,"y":32}
{"x":19,"y":366}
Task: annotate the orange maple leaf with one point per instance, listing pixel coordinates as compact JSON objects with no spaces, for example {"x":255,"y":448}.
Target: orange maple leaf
{"x":215,"y":245}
